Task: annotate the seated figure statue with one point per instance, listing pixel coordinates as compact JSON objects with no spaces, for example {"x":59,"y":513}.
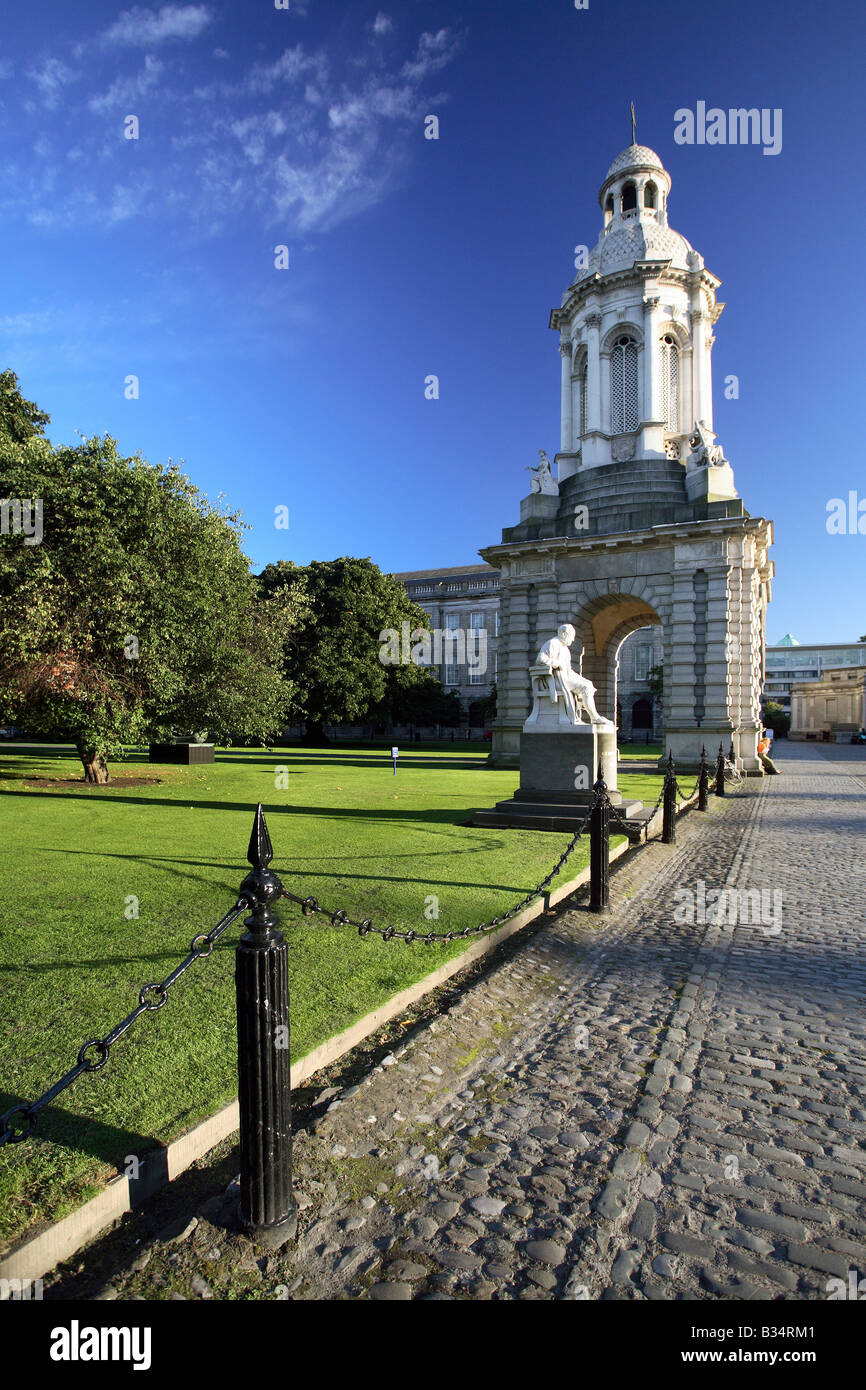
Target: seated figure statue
{"x":554,"y":683}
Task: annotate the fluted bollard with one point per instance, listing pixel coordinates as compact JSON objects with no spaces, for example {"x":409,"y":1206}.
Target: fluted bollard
{"x":268,"y":1209}
{"x":669,"y":804}
{"x":720,"y":773}
{"x":703,"y":781}
{"x":599,"y":848}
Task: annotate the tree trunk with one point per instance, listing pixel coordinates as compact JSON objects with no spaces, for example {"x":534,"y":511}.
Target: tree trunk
{"x":315,"y":734}
{"x":95,"y":765}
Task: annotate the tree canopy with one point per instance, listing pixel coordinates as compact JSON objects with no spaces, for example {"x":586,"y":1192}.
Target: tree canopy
{"x":135,"y":615}
{"x":332,"y":656}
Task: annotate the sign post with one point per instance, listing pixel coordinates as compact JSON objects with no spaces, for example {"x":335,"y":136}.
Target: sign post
{"x":395,"y":753}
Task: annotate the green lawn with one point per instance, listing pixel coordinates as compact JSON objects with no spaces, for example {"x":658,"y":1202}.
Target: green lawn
{"x":72,"y":962}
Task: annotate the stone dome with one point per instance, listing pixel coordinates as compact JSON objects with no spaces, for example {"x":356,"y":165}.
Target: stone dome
{"x":640,"y":240}
{"x":635,"y":157}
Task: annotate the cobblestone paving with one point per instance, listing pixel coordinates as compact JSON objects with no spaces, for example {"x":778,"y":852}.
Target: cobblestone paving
{"x":638,"y":1106}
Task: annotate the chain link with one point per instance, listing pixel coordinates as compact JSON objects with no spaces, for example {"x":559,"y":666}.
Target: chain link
{"x":151,"y":997}
{"x":310,"y":906}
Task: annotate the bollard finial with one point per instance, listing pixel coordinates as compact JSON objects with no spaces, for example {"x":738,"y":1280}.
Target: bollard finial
{"x":260,"y":852}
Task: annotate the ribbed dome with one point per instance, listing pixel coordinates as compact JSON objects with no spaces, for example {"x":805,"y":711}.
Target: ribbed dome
{"x":635,"y":157}
{"x":640,"y":240}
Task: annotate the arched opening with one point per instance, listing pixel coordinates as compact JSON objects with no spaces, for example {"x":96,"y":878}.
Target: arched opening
{"x":624,"y":408}
{"x":650,"y":195}
{"x":608,"y":208}
{"x":642,"y":714}
{"x":670,"y":383}
{"x":602,"y":627}
{"x":629,"y":197}
{"x":582,"y":377}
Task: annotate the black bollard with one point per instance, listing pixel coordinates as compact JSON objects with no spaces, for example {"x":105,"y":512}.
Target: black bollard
{"x":599,"y":848}
{"x":264,"y":1084}
{"x":720,"y":773}
{"x":703,"y":781}
{"x":669,"y":804}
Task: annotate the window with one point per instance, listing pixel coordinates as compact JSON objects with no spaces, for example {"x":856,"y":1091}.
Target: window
{"x":452,"y":621}
{"x":643,"y":656}
{"x":583,"y":412}
{"x":629,"y":197}
{"x":623,"y":386}
{"x":476,"y":678}
{"x":451,"y":675}
{"x":476,"y":620}
{"x":649,"y":196}
{"x":670,"y":383}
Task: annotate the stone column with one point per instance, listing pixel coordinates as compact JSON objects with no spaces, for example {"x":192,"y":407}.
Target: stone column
{"x":679,"y":658}
{"x":513,"y":702}
{"x":651,"y":403}
{"x":567,"y":429}
{"x":593,"y":384}
{"x":701,"y":394}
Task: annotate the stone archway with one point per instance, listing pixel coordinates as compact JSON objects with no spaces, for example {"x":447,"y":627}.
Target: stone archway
{"x":602,"y":626}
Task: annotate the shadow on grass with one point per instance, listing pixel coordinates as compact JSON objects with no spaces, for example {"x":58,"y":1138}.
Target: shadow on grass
{"x":81,"y":1134}
{"x":184,"y":802}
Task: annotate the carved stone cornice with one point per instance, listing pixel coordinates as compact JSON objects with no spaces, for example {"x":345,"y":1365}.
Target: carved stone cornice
{"x":592,"y":320}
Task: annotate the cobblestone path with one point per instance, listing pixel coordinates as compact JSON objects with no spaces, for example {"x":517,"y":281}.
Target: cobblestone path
{"x":650,"y":1105}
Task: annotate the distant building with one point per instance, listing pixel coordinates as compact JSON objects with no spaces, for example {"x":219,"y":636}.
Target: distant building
{"x":463,"y":606}
{"x":831,"y":708}
{"x":788,"y":662}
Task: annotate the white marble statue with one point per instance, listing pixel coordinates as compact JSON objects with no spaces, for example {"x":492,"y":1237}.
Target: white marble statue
{"x":559,"y":692}
{"x":542,"y":479}
{"x":705,"y":453}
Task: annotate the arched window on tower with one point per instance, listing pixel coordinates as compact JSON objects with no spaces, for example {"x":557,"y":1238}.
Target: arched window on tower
{"x":649,"y":196}
{"x":608,"y":208}
{"x":623,"y":386}
{"x":583,"y":409}
{"x":670,"y":383}
{"x":629,"y":197}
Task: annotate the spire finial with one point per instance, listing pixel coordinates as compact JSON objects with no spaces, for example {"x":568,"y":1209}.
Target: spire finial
{"x":633,"y":126}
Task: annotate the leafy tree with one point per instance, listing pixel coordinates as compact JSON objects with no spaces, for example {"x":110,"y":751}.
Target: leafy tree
{"x":136,"y":615}
{"x":20,"y":420}
{"x":333,"y":657}
{"x":421,"y":705}
{"x":776,"y":717}
{"x":656,"y":680}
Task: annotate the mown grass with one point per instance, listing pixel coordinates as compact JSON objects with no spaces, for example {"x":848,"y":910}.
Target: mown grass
{"x":78,"y":861}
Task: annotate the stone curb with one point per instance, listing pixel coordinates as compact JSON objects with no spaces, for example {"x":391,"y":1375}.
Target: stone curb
{"x":38,"y":1254}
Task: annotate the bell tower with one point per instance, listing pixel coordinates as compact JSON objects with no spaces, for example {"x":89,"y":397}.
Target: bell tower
{"x":644,"y":524}
{"x":635,"y":329}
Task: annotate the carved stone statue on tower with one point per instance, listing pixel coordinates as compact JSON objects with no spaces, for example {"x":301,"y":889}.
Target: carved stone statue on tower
{"x":542,"y":477}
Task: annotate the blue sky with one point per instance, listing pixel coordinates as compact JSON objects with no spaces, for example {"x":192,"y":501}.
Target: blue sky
{"x":304,"y":388}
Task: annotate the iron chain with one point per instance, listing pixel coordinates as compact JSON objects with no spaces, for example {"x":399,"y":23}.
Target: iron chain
{"x":151,"y":997}
{"x":310,"y":906}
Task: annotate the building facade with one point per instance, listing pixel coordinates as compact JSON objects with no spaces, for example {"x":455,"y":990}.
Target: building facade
{"x":463,"y":606}
{"x":789,"y":662}
{"x":831,"y":708}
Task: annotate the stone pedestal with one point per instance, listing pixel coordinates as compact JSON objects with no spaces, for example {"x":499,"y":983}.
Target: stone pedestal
{"x":557,"y":773}
{"x":568,"y":760}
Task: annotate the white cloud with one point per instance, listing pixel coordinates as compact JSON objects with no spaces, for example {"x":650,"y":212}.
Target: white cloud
{"x":125,"y":90}
{"x":435,"y":51}
{"x":51,"y":78}
{"x":382,"y":24}
{"x":143,"y":28}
